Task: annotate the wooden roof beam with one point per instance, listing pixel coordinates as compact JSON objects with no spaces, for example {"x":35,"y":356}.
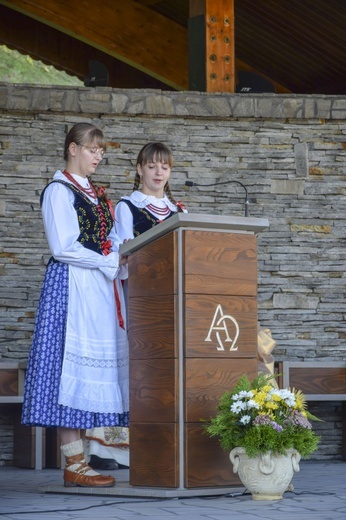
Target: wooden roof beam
{"x":53,"y":47}
{"x":135,"y":35}
{"x":127,"y":31}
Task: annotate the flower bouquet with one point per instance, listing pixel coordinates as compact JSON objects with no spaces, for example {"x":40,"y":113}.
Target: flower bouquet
{"x":262,"y":419}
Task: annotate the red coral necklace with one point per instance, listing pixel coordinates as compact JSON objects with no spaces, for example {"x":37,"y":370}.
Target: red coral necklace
{"x":90,"y":191}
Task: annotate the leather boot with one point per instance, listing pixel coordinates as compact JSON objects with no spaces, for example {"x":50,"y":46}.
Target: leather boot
{"x":78,"y":473}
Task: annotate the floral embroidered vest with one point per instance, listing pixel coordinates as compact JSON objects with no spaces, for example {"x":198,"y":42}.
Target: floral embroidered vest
{"x":95,"y":220}
{"x":142,"y":218}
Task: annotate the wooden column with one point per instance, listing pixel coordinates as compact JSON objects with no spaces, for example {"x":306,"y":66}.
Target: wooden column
{"x":211,"y":46}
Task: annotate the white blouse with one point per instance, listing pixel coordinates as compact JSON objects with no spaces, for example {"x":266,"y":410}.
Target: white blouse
{"x":124,"y":217}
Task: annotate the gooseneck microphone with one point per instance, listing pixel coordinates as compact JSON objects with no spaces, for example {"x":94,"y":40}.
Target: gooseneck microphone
{"x":190,"y":183}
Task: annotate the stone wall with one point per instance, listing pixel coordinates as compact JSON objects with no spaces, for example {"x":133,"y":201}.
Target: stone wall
{"x":288,"y":150}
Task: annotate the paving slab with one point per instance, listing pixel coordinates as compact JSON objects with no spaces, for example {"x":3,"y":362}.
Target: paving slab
{"x":319,"y":494}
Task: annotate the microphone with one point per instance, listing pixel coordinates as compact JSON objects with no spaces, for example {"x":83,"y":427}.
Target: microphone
{"x":190,"y":183}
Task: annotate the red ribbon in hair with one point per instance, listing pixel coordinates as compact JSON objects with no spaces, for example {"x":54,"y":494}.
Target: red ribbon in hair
{"x":180,"y":206}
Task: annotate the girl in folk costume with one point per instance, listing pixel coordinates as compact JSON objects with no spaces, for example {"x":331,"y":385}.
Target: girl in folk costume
{"x":151,"y":200}
{"x":150,"y":203}
{"x":77,"y":376}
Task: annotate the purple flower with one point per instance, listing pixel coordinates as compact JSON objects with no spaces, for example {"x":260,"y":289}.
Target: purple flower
{"x":262,"y":419}
{"x":297,"y":419}
{"x":266,"y":420}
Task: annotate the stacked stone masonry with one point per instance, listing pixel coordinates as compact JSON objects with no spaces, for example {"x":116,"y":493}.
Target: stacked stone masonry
{"x":289,"y":150}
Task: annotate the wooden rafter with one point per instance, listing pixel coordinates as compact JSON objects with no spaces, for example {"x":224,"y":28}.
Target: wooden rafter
{"x":140,"y":48}
{"x":127,"y":31}
{"x":53,"y":47}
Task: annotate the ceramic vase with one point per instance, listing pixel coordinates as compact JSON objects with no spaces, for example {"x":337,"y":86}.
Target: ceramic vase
{"x":267,"y":476}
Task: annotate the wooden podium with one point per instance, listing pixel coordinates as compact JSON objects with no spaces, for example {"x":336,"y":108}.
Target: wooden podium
{"x":192,"y":334}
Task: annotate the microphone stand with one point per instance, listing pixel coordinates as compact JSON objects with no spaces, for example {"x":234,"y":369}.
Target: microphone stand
{"x":190,"y":183}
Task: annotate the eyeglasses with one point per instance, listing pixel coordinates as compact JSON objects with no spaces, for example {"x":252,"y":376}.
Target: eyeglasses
{"x":95,"y":151}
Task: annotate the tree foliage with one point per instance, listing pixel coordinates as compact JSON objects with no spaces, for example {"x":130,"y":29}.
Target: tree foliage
{"x":21,"y":68}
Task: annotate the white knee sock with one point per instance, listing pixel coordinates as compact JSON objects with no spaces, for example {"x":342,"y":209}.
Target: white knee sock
{"x":76,"y":448}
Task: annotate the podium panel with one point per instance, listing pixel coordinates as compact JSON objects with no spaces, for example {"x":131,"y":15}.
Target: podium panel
{"x":207,"y":379}
{"x":230,"y":320}
{"x":153,"y":327}
{"x":152,"y":269}
{"x":220,"y":263}
{"x":192,"y":334}
{"x":207,"y":464}
{"x":154,"y":390}
{"x":154,"y":455}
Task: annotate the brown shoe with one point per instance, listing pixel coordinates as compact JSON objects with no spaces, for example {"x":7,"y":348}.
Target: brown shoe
{"x":73,"y":479}
{"x":83,"y":475}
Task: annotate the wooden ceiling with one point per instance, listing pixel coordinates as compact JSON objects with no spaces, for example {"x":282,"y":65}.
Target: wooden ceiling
{"x":299,"y":45}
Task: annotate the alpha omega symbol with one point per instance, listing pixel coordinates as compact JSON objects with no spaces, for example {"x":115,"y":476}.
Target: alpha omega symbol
{"x":219,"y":326}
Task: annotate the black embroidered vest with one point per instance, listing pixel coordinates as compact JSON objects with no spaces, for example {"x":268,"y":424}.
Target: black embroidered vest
{"x":142,"y":218}
{"x":95,"y":221}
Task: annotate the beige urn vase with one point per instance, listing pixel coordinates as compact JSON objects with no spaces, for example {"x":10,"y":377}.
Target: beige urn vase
{"x":267,"y":476}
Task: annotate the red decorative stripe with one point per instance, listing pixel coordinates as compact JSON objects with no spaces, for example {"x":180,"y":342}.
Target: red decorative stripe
{"x":118,"y":304}
{"x":160,"y":211}
{"x":106,"y":249}
{"x":88,"y":191}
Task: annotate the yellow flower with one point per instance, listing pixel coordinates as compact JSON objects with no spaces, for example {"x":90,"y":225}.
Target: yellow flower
{"x":267,"y":388}
{"x":260,"y":398}
{"x":301,"y":403}
{"x":272,"y":406}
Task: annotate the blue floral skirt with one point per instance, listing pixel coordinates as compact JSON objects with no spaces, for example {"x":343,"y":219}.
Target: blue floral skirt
{"x":40,"y":407}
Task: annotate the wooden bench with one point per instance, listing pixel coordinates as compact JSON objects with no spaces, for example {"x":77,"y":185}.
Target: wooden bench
{"x":12,"y":376}
{"x":319,"y":381}
{"x":28,"y":442}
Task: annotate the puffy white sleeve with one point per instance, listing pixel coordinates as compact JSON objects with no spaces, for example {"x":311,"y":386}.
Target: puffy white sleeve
{"x":62,"y":231}
{"x":123,"y":221}
{"x":123,"y":272}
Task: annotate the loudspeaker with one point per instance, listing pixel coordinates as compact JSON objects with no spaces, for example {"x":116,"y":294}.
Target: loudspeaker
{"x":98,"y":75}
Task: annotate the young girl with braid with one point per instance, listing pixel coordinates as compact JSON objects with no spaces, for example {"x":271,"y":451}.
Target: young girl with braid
{"x":77,"y":376}
{"x":151,"y":200}
{"x":150,"y":203}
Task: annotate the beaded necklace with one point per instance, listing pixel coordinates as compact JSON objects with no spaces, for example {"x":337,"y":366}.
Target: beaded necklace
{"x":90,"y":190}
{"x":159,"y":211}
